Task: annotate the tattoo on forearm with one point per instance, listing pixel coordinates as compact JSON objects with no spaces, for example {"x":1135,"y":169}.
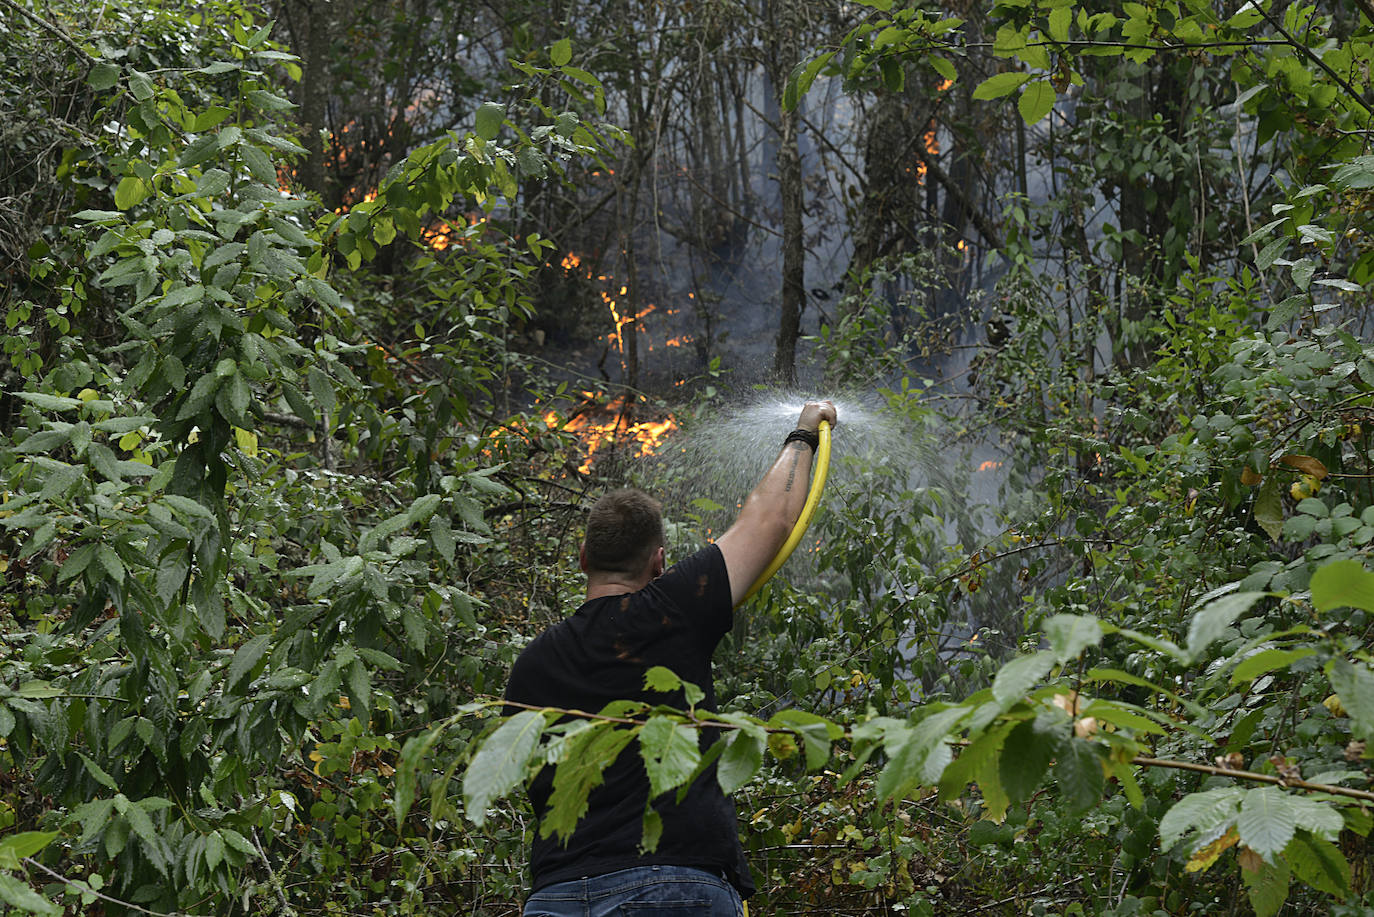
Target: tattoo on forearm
{"x":792,"y":471}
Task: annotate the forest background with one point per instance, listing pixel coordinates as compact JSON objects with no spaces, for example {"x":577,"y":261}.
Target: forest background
{"x":324,"y":321}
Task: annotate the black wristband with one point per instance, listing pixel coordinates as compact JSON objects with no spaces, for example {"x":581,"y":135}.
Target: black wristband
{"x":810,"y":437}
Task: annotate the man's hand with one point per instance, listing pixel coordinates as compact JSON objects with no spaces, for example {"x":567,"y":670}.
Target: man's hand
{"x":814,"y":412}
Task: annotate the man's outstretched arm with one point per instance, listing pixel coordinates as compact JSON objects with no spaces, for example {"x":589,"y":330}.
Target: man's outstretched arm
{"x":772,"y":508}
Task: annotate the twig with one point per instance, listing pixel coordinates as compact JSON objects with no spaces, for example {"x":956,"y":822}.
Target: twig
{"x":1314,"y":58}
{"x":272,"y":874}
{"x":55,"y":30}
{"x":1255,"y":777}
{"x":77,"y":883}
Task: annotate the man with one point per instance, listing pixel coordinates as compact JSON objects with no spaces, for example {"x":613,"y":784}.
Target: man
{"x":635,"y":617}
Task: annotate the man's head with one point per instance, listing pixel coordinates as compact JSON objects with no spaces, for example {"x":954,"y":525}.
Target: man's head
{"x":624,"y":532}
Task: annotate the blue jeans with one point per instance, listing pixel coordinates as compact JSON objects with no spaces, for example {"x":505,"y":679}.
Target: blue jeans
{"x":644,"y":891}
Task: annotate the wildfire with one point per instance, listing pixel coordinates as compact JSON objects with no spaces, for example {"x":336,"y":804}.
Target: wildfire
{"x":932,"y":147}
{"x":605,"y":426}
{"x":989,"y":465}
{"x":443,"y":234}
{"x":679,"y":341}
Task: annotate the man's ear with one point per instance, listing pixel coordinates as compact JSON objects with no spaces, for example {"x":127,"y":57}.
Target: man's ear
{"x":658,"y":563}
{"x":582,"y":556}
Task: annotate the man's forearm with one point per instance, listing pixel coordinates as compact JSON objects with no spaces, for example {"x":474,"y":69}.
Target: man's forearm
{"x":781,"y":494}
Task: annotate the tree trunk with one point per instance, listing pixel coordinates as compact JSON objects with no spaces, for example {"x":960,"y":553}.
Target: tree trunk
{"x":782,"y":58}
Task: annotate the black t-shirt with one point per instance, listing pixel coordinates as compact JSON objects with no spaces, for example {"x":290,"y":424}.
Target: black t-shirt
{"x":600,"y":654}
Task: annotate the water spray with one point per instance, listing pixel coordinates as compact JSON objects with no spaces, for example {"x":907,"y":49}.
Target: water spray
{"x":813,"y":499}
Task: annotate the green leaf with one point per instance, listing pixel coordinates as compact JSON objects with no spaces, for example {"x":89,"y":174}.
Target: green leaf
{"x":943,"y":67}
{"x":665,"y":681}
{"x":670,"y":752}
{"x":142,"y":825}
{"x":259,"y":164}
{"x":268,"y":101}
{"x":500,"y":763}
{"x":131,"y":190}
{"x":906,"y":763}
{"x":1251,"y":667}
{"x":1262,"y":232}
{"x":322,"y":387}
{"x":561,"y":52}
{"x":652,"y":831}
{"x":110,"y":562}
{"x":18,"y":894}
{"x":441,"y":532}
{"x":1060,"y":19}
{"x":1302,"y":271}
{"x":140,"y":85}
{"x":1078,"y":771}
{"x":1267,"y":887}
{"x":1026,"y":755}
{"x":979,"y":757}
{"x":802,"y":76}
{"x":25,"y":844}
{"x":1269,"y":508}
{"x":1319,"y":863}
{"x":37,"y":690}
{"x":1069,"y":635}
{"x":580,"y":771}
{"x":214,"y":850}
{"x":99,"y":773}
{"x":1321,"y":819}
{"x":742,"y":758}
{"x":1000,"y":84}
{"x":1208,"y":811}
{"x":1354,"y":685}
{"x":1016,"y":678}
{"x":1266,"y":821}
{"x":245,"y":658}
{"x":103,"y":75}
{"x":47,"y":402}
{"x":816,"y":731}
{"x":1209,"y":624}
{"x":1342,"y":584}
{"x":407,"y":768}
{"x":1036,"y":101}
{"x":490,"y":117}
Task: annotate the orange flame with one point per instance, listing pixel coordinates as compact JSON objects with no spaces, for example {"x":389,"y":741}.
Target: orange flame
{"x":600,"y":427}
{"x":989,"y":465}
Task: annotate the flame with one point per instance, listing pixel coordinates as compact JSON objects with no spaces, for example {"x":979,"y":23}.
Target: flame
{"x":944,"y":84}
{"x":932,"y":147}
{"x":441,"y":234}
{"x":570,"y":261}
{"x":961,"y":245}
{"x":603,"y":426}
{"x":679,"y":341}
{"x":989,"y":465}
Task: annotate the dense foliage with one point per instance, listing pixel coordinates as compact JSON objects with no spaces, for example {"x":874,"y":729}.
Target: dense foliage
{"x":279,"y":500}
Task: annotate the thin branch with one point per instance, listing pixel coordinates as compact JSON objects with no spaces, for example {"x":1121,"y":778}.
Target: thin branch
{"x":77,"y":883}
{"x":52,"y":28}
{"x":1255,"y":777}
{"x":1314,"y":58}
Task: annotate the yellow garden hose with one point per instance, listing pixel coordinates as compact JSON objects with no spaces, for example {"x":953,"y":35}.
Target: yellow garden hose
{"x":813,"y":499}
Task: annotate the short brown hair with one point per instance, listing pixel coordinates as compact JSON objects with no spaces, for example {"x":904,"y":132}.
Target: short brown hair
{"x":624,"y":528}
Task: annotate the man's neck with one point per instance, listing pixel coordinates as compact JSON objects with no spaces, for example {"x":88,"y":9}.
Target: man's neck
{"x":602,"y":588}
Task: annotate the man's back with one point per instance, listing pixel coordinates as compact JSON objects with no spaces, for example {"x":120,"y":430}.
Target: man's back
{"x":600,"y":654}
